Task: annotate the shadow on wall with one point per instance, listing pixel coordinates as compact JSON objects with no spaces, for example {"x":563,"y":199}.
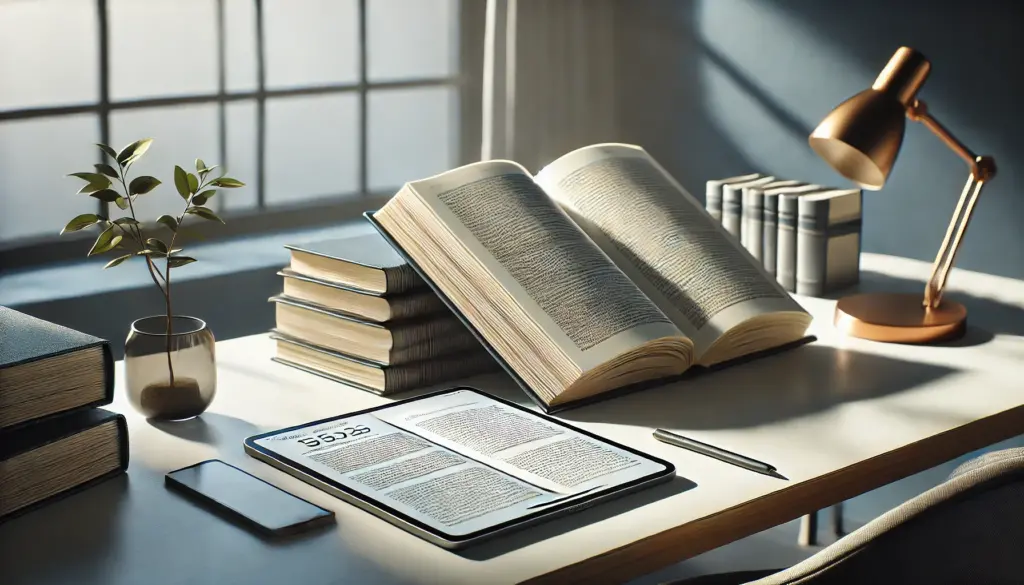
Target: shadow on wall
{"x":719,"y":88}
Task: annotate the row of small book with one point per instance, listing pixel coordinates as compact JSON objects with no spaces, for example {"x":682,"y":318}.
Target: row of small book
{"x":807,"y":236}
{"x":352,"y":310}
{"x":54,"y":437}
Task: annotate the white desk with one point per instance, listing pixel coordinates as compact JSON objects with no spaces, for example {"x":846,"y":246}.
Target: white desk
{"x":838,"y":418}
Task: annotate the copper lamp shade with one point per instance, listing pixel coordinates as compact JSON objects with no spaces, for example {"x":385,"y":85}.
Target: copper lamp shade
{"x":860,"y":139}
{"x":862,"y":136}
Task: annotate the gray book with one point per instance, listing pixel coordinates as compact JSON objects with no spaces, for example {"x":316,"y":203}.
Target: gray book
{"x":713,"y":192}
{"x":785,"y":266}
{"x":732,"y":204}
{"x":828,"y":241}
{"x":770,"y":229}
{"x":752,"y":222}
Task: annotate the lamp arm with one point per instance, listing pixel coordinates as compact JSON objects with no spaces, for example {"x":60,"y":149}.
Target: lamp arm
{"x":983,"y":168}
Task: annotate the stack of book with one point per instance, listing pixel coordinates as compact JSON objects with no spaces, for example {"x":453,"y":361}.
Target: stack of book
{"x":807,"y":236}
{"x":54,"y":438}
{"x":354,"y":311}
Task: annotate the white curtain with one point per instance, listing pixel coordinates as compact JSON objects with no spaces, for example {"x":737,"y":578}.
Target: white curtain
{"x":549,"y":78}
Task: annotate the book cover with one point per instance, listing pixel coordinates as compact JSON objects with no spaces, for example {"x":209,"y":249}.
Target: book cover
{"x":360,"y":302}
{"x":713,"y":192}
{"x":368,"y":251}
{"x":770,"y":227}
{"x":47,"y":439}
{"x":732,"y":204}
{"x":27,"y":342}
{"x":752,"y":215}
{"x":828,"y":241}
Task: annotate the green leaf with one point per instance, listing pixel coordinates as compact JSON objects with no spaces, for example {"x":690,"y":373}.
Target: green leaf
{"x":117,"y":260}
{"x":82,"y":221}
{"x":133,"y":151}
{"x":156,"y":245}
{"x":169,"y":221}
{"x":144,"y":252}
{"x":105,"y":242}
{"x":181,"y":182}
{"x":227,"y":183}
{"x":200,"y":165}
{"x":106,"y":170}
{"x":107,"y":195}
{"x":193,"y":183}
{"x":177,"y":261}
{"x":143,"y":184}
{"x":205,"y":213}
{"x":110,"y":151}
{"x":206,"y":171}
{"x":173,"y":251}
{"x":121,"y":202}
{"x":203,"y":197}
{"x":95,"y":182}
{"x":123,"y":221}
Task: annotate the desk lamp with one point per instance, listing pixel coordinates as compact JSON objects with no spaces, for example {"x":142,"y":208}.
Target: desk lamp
{"x":860,"y":139}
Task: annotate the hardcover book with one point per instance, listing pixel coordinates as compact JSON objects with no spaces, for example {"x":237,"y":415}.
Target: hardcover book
{"x":55,"y":457}
{"x":375,"y":377}
{"x":770,"y":228}
{"x":361,"y":303}
{"x":363,"y":262}
{"x":752,"y":222}
{"x":713,"y":192}
{"x":828,"y":241}
{"x":600,"y":273}
{"x":397,"y":343}
{"x":788,"y":252}
{"x":47,"y":369}
{"x":732,"y":204}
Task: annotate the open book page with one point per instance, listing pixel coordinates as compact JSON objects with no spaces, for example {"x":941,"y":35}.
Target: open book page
{"x":664,"y":240}
{"x":421,"y":479}
{"x":576,"y":296}
{"x":554,"y":458}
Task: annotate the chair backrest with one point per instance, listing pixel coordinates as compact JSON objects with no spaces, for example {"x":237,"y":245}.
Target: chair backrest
{"x":969,"y":529}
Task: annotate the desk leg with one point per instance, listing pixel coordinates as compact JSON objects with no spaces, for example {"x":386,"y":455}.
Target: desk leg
{"x":808,"y":530}
{"x":837,"y":520}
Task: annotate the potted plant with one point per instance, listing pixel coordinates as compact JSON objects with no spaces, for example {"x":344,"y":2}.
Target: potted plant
{"x":170,"y":368}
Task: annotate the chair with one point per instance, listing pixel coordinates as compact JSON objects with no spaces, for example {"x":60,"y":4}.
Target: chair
{"x":969,"y":529}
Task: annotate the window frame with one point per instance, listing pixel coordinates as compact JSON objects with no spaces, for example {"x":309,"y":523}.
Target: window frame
{"x":37,"y":251}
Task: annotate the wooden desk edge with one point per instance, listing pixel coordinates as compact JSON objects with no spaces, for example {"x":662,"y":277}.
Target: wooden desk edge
{"x":683,"y":542}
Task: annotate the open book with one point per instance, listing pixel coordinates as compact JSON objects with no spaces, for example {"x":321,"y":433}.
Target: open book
{"x":458,"y":465}
{"x":598,"y":273}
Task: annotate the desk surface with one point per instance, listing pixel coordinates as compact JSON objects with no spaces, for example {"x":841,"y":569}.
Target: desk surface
{"x":838,"y":417}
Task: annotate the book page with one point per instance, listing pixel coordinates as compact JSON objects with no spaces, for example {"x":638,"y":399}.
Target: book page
{"x":664,"y":240}
{"x":421,"y":479}
{"x":529,"y":448}
{"x":576,"y":295}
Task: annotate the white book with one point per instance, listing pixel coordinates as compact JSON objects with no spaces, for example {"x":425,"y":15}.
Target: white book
{"x":752,"y":223}
{"x":828,"y":241}
{"x":713,"y":192}
{"x":732,"y":204}
{"x":787,"y":241}
{"x":770,"y":230}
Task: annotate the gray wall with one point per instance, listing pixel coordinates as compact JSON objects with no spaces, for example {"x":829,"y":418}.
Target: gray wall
{"x":714,"y":88}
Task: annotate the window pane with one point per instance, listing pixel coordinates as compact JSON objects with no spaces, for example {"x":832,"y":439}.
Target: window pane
{"x":411,"y":38}
{"x":180,"y":134}
{"x":37,"y":198}
{"x":412,"y":134}
{"x":310,"y":42}
{"x":312,"y":147}
{"x":49,"y":53}
{"x":241,"y":163}
{"x":162,"y":48}
{"x":240,"y":45}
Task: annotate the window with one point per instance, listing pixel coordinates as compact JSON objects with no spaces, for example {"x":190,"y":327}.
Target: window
{"x":323,"y":107}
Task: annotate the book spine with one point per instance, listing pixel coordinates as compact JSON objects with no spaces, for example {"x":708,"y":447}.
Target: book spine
{"x":787,"y":244}
{"x":812,"y":239}
{"x":753,"y":222}
{"x":770,"y":234}
{"x":401,"y":279}
{"x":732,"y":210}
{"x":713,"y":199}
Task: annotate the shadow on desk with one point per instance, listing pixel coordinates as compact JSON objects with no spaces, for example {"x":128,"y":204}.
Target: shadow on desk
{"x":559,"y":526}
{"x":802,"y":381}
{"x":209,"y":428}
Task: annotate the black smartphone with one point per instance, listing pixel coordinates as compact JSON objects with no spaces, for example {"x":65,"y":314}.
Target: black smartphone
{"x":258,"y":504}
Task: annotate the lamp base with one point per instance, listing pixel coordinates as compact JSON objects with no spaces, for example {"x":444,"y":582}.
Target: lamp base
{"x":899,"y":318}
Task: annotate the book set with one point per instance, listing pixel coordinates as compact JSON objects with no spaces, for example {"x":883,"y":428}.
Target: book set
{"x":807,"y":236}
{"x":54,"y":437}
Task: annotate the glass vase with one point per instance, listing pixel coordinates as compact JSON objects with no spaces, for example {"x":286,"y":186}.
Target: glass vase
{"x":170,"y":377}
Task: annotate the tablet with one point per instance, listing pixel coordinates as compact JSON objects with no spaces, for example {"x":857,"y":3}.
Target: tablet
{"x":459,"y":466}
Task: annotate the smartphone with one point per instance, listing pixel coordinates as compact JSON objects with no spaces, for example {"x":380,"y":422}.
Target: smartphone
{"x":269,"y":510}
